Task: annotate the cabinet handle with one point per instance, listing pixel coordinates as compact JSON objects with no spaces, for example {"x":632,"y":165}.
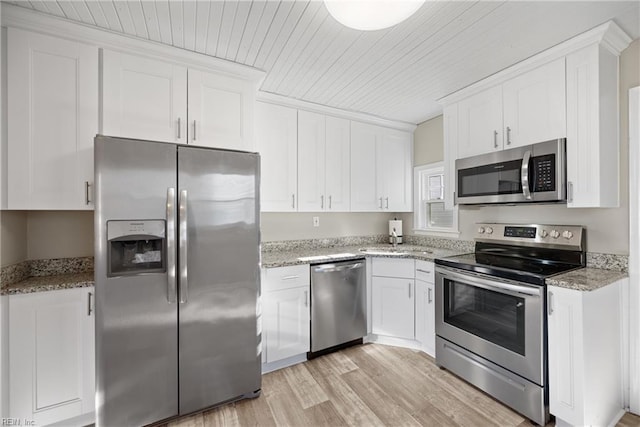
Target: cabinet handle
{"x":87,"y":200}
{"x":321,"y":202}
{"x":306,"y":298}
{"x":495,"y":139}
{"x":329,"y":202}
{"x":293,"y":201}
{"x":429,"y":299}
{"x":550,"y":302}
{"x":290,"y":277}
{"x":570,"y":191}
{"x":380,"y":205}
{"x":508,"y":135}
{"x":194,"y":130}
{"x":409,"y":287}
{"x":179,"y":128}
{"x":387,"y":202}
{"x":423,"y":271}
{"x":89,"y":298}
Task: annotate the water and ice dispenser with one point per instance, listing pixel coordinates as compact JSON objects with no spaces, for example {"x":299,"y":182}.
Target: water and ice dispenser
{"x":136,"y":247}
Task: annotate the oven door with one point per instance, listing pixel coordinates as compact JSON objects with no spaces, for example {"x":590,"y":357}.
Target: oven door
{"x":499,"y":320}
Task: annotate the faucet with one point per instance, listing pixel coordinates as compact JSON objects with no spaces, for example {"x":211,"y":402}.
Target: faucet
{"x":394,"y":238}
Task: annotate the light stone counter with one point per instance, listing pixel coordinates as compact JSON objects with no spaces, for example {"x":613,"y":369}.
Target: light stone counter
{"x":49,"y":283}
{"x":586,"y":279}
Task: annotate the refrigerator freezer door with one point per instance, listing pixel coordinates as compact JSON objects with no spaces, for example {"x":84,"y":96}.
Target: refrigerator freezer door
{"x":136,"y":324}
{"x":219,"y":350}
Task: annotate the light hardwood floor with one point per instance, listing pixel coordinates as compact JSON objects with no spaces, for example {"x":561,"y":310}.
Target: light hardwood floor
{"x":368,"y":385}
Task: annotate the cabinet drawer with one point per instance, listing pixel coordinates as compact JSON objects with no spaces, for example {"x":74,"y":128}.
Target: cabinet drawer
{"x":274,"y":279}
{"x":390,"y":267}
{"x":425,"y":271}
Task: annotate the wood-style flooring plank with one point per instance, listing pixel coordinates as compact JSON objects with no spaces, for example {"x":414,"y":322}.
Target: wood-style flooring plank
{"x":368,"y":385}
{"x":304,"y":386}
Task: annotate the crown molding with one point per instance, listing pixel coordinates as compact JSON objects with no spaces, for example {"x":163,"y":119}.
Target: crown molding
{"x":285,"y":101}
{"x":608,"y":35}
{"x":19,"y":17}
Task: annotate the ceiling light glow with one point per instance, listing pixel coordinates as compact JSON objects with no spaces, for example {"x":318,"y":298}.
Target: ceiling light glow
{"x":369,"y":15}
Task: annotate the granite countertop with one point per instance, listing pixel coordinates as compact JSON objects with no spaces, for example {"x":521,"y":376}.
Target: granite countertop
{"x":49,"y":283}
{"x":586,"y":279}
{"x":282,"y":258}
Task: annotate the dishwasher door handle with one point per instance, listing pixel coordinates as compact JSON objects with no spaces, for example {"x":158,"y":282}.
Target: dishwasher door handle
{"x":330,"y":268}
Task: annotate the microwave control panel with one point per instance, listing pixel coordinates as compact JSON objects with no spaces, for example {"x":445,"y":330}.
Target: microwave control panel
{"x":544,"y":173}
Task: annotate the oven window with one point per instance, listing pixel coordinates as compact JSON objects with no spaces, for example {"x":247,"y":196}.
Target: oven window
{"x":491,"y":315}
{"x":499,"y":178}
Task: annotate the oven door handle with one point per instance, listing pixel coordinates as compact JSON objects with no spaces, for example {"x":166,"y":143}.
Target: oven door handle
{"x":473,"y":280}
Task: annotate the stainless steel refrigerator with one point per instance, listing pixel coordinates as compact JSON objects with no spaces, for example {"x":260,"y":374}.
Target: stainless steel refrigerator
{"x":177,"y":279}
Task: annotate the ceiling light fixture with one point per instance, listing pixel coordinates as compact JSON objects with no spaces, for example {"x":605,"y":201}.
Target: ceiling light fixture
{"x":369,"y":15}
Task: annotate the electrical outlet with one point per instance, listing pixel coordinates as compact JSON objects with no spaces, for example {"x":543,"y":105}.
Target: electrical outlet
{"x":316,"y":221}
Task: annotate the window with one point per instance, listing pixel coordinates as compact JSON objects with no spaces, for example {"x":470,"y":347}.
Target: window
{"x":430,"y":214}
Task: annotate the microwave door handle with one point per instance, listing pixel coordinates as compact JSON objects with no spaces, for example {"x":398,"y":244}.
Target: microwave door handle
{"x":524,"y":175}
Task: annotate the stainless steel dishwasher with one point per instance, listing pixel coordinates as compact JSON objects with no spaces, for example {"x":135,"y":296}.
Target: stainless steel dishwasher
{"x":338,"y":305}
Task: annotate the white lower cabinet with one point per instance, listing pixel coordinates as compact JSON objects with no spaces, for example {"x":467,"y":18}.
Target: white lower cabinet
{"x":425,"y":307}
{"x":585,"y":354}
{"x":286,"y":312}
{"x":393,"y":298}
{"x":51,"y":355}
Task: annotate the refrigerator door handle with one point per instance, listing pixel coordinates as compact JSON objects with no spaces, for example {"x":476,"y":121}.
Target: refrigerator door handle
{"x":171,"y":245}
{"x":182,"y":232}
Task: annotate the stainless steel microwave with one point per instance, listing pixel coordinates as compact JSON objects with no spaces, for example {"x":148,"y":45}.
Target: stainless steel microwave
{"x":532,"y":173}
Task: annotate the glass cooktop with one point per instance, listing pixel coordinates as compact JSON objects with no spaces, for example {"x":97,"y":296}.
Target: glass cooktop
{"x":518,"y":268}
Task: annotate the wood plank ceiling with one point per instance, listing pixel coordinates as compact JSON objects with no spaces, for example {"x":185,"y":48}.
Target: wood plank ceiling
{"x":397,"y":73}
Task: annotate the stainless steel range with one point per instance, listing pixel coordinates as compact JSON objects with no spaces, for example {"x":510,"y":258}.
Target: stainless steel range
{"x":490,"y":314}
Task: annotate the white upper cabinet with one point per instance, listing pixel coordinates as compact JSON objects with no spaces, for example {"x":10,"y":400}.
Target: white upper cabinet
{"x":534,"y":106}
{"x":364,"y":193}
{"x":593,"y":141}
{"x":149,"y":99}
{"x":220,"y":111}
{"x":143,"y":98}
{"x":323,"y":162}
{"x":524,"y":110}
{"x":337,"y":179}
{"x":52,"y":99}
{"x":480,"y":123}
{"x":381,"y":170}
{"x":394,"y":162}
{"x":277,"y":142}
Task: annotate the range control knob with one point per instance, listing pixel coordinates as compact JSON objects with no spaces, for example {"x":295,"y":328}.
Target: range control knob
{"x":488,"y":230}
{"x":480,"y":230}
{"x":567,"y":234}
{"x":543,"y":233}
{"x":554,"y":234}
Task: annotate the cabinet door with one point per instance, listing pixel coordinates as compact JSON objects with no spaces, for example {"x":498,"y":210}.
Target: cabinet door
{"x":220,"y":111}
{"x":364,"y":192}
{"x":450,"y":125}
{"x":337,"y":164}
{"x":593,"y":143}
{"x":51,"y":353}
{"x":535,"y":106}
{"x":392,"y":306}
{"x":565,"y":354}
{"x":143,"y":98}
{"x":52,"y":93}
{"x":394,"y":170}
{"x":311,"y":162}
{"x":277,"y":141}
{"x":425,"y":317}
{"x":286,"y":323}
{"x":480,"y":123}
